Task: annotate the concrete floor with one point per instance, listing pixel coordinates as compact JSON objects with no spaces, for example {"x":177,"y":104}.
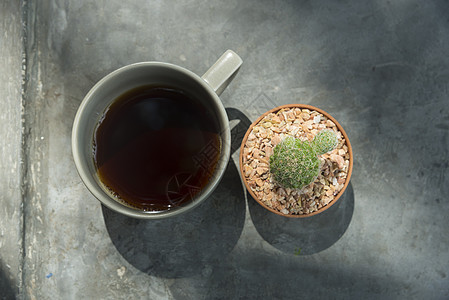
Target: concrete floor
{"x":379,"y":67}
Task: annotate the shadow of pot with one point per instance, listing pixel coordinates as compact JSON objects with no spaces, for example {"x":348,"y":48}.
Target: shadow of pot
{"x":259,"y":199}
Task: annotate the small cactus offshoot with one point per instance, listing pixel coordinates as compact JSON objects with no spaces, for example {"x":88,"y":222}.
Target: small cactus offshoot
{"x":295,"y":164}
{"x":325,"y":141}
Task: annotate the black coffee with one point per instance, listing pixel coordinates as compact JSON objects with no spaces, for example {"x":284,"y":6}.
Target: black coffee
{"x":156,"y":147}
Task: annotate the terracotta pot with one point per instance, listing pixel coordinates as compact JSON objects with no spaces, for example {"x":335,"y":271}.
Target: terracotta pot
{"x":348,"y":144}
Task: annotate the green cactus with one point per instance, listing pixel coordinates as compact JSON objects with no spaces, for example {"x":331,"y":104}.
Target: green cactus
{"x":325,"y":141}
{"x":295,"y":164}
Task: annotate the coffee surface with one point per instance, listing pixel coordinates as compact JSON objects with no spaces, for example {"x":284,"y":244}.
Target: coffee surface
{"x":156,"y":147}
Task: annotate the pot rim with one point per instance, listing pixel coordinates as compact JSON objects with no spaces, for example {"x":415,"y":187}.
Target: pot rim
{"x":340,"y":128}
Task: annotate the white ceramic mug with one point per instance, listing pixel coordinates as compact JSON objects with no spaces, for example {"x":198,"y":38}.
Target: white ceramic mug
{"x":208,"y":88}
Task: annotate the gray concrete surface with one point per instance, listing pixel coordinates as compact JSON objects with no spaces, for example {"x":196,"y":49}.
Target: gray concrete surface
{"x":380,"y":67}
{"x":11,"y":49}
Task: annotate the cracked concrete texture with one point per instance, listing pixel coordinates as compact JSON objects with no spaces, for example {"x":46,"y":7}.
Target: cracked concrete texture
{"x":379,"y":67}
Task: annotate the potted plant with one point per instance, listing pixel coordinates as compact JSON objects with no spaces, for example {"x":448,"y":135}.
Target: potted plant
{"x":296,"y":160}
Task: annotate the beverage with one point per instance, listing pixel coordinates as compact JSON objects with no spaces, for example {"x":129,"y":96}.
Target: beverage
{"x":156,"y":147}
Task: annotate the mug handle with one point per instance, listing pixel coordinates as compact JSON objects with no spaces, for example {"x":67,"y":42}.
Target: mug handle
{"x":222,"y":71}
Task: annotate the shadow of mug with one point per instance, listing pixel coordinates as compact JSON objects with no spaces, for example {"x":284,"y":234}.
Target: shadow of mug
{"x":304,"y":235}
{"x":183,"y":245}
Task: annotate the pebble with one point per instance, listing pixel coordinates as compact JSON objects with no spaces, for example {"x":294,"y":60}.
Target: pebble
{"x":275,"y":140}
{"x":338,"y":159}
{"x":251,"y":136}
{"x":247,"y":169}
{"x":305,"y":116}
{"x":261,"y":171}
